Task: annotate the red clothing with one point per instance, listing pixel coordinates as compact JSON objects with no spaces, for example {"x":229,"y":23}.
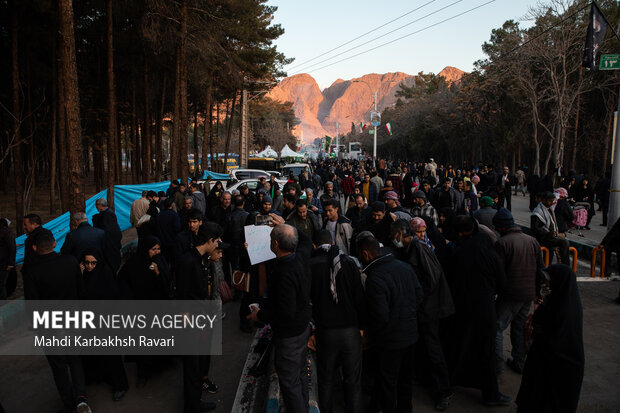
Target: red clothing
{"x":348,"y":185}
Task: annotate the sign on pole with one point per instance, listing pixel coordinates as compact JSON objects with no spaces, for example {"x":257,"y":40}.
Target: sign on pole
{"x":609,"y":62}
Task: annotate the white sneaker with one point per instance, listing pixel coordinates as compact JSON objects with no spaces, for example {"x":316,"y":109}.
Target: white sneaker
{"x":83,"y":408}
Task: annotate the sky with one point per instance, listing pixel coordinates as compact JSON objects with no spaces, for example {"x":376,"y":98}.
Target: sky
{"x":313,"y":27}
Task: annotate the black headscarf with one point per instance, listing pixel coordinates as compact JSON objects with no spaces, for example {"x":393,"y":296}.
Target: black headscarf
{"x":99,"y":283}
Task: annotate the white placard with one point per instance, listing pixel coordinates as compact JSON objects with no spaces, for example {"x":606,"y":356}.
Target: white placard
{"x":257,"y":237}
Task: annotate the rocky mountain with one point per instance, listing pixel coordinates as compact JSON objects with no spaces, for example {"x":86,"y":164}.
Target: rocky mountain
{"x":344,"y":102}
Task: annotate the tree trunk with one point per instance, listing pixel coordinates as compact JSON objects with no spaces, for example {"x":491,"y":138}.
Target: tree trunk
{"x":229,"y":133}
{"x":111,"y":107}
{"x":195,"y":139}
{"x":207,"y":132}
{"x":135,"y":158}
{"x":72,"y":99}
{"x":18,"y":157}
{"x":63,"y":164}
{"x":158,"y":137}
{"x":54,"y":119}
{"x":536,"y":148}
{"x":183,"y":95}
{"x":146,"y":131}
{"x":176,"y":116}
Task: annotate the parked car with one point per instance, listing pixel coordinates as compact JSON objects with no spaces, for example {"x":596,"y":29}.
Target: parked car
{"x":296,"y":168}
{"x":241,"y":174}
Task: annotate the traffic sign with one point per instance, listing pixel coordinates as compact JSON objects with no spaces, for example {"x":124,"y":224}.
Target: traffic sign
{"x":609,"y":62}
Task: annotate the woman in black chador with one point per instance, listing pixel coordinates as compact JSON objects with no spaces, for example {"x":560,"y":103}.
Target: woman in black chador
{"x":554,"y":367}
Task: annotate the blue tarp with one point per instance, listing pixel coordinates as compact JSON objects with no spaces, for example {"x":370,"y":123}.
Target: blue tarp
{"x":124,"y":195}
{"x":214,"y":175}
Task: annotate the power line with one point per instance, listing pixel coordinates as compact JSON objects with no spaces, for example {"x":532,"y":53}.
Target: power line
{"x":405,"y":36}
{"x":362,"y":35}
{"x":378,"y":37}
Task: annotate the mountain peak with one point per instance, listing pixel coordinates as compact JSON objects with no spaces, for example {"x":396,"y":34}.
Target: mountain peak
{"x":345,"y":101}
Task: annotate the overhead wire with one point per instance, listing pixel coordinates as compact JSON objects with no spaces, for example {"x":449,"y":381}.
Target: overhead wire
{"x":361,"y":35}
{"x":379,"y":37}
{"x":403,"y":37}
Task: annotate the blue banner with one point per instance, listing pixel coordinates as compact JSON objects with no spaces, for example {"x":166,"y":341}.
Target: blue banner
{"x":124,"y":195}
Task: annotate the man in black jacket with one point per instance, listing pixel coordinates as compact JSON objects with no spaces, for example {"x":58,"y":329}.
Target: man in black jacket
{"x":437,"y":304}
{"x":58,"y":277}
{"x":235,"y":232}
{"x":83,"y":236}
{"x":7,"y":256}
{"x":393,"y":293}
{"x":288,"y":311}
{"x":338,"y":309}
{"x":33,"y":227}
{"x":106,"y":220}
{"x":193,"y":283}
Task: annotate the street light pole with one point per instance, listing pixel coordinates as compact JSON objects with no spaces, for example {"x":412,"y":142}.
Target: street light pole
{"x":374,"y":145}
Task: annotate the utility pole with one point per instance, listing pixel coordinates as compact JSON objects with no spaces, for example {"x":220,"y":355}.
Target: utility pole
{"x":243,"y":138}
{"x":374,"y":145}
{"x":337,"y":142}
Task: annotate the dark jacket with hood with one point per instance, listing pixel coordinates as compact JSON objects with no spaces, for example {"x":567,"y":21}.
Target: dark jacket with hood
{"x":437,"y":301}
{"x":350,"y":309}
{"x":393,"y":294}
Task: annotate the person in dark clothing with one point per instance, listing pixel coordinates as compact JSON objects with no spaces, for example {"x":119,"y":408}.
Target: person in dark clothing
{"x":358,"y":214}
{"x":219,"y":212}
{"x":100,"y":284}
{"x":106,"y":220}
{"x":379,"y":223}
{"x":584,"y":193}
{"x":57,"y":277}
{"x":554,"y":367}
{"x":186,"y":239}
{"x":475,"y":276}
{"x":146,"y":276}
{"x":506,"y":182}
{"x":522,"y":260}
{"x":338,"y":308}
{"x":83,"y":236}
{"x":446,"y":196}
{"x":533,"y":187}
{"x":393,"y":294}
{"x":193,"y":283}
{"x":32,"y":227}
{"x":251,"y":203}
{"x":288,"y":311}
{"x":214,"y":195}
{"x":168,"y":226}
{"x":235,"y":234}
{"x":188,"y":207}
{"x":602,"y":194}
{"x":304,"y":220}
{"x":563,"y":211}
{"x":7,"y":256}
{"x":416,"y":249}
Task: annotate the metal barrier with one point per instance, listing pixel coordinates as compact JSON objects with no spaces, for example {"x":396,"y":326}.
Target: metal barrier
{"x":593,"y":265}
{"x":573,"y":252}
{"x":545,"y":252}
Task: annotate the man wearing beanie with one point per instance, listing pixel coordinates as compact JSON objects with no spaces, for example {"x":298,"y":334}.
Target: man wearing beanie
{"x":520,"y":254}
{"x":422,"y":208}
{"x":486,"y":213}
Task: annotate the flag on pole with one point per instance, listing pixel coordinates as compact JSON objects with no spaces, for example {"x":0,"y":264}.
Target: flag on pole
{"x":388,"y":127}
{"x":364,"y":126}
{"x":328,"y":143}
{"x":361,"y":127}
{"x":594,"y":37}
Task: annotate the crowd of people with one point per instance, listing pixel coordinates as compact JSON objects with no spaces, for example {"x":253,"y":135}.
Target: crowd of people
{"x":400,"y":272}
